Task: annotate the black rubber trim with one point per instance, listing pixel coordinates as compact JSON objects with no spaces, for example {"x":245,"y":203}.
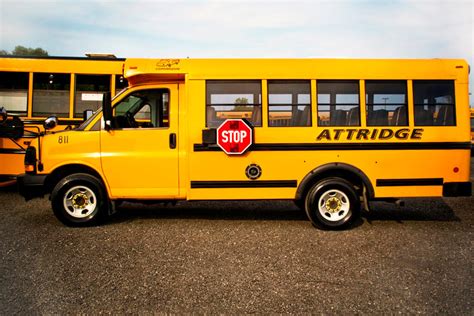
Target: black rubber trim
{"x":5,"y":177}
{"x":345,"y":146}
{"x":29,"y":136}
{"x":330,"y":170}
{"x":409,"y":182}
{"x":452,"y":189}
{"x":243,"y":184}
{"x":60,"y":121}
{"x":12,"y":151}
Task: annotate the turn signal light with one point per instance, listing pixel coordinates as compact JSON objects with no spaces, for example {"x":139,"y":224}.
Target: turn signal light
{"x":29,"y":168}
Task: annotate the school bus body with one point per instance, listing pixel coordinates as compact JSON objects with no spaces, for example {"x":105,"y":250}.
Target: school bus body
{"x":12,"y":150}
{"x":380,"y":161}
{"x":472,"y":126}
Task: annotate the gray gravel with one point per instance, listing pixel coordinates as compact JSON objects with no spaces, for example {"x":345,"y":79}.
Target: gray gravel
{"x":237,"y":257}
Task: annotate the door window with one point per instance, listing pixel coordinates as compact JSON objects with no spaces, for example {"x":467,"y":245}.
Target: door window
{"x":143,"y":109}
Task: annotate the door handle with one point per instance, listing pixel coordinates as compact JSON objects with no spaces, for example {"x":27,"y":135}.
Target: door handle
{"x":173,"y":140}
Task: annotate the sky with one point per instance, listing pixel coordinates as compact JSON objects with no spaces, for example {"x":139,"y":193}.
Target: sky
{"x":243,"y":29}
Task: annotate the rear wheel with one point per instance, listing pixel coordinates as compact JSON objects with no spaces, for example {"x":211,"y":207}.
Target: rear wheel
{"x":80,"y":200}
{"x":332,"y":203}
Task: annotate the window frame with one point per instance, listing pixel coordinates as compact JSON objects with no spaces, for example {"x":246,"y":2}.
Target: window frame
{"x":27,"y":90}
{"x":208,"y":95}
{"x":358,"y":104}
{"x":76,"y":91}
{"x":453,"y":104}
{"x":48,"y":74}
{"x":159,"y":112}
{"x":309,"y":105}
{"x":406,"y":104}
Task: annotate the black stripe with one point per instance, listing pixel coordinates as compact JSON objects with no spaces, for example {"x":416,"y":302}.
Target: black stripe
{"x":409,"y":182}
{"x":12,"y":151}
{"x":346,"y":146}
{"x":243,"y":184}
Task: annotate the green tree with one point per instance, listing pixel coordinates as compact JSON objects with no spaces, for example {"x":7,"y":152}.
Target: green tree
{"x":241,"y":104}
{"x":25,"y":51}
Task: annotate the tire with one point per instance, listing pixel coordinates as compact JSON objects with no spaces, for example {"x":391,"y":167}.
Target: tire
{"x":80,"y":200}
{"x":332,"y":204}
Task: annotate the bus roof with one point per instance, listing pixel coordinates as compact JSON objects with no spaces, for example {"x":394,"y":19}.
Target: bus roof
{"x":49,"y":64}
{"x":403,"y":69}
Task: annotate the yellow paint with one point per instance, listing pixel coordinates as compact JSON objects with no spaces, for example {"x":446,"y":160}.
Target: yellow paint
{"x":138,"y":163}
{"x":12,"y":164}
{"x":472,"y":126}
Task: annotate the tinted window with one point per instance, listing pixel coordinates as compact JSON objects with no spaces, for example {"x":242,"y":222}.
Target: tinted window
{"x":51,"y":94}
{"x":89,"y":92}
{"x":386,"y":103}
{"x":434,"y":102}
{"x":227,"y":99}
{"x":289,"y":103}
{"x":338,"y":103}
{"x":14,"y":92}
{"x":143,"y":109}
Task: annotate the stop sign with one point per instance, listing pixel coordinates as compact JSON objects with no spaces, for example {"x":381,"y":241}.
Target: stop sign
{"x":234,"y":136}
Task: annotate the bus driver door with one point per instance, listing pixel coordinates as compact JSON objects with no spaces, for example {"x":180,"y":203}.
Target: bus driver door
{"x":139,"y":151}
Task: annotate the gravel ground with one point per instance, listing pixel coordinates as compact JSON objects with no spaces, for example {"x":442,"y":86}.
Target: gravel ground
{"x":237,"y":257}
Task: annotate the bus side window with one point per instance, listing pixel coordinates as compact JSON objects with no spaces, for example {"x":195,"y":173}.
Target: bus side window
{"x":120,"y":83}
{"x":289,"y":103}
{"x":338,"y":103}
{"x":233,"y":99}
{"x":386,"y":102}
{"x":51,"y":93}
{"x":89,"y":92}
{"x":14,"y":92}
{"x":434,"y":102}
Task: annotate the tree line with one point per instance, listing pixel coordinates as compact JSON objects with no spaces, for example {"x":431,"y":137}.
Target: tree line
{"x":24,"y":51}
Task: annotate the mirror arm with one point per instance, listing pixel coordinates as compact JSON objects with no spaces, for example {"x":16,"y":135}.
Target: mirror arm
{"x":108,"y":125}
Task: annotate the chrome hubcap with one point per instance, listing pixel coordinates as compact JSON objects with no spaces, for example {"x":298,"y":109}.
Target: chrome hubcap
{"x":79,"y":201}
{"x":333,"y":205}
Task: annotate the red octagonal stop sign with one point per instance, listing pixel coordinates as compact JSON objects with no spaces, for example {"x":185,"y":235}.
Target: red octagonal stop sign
{"x":234,"y":136}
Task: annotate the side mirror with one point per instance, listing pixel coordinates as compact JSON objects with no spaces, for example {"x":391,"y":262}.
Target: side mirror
{"x":3,"y":115}
{"x":107,"y":110}
{"x":87,"y":114}
{"x":50,"y":123}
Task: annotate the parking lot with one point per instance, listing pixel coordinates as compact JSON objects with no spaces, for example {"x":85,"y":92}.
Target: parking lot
{"x":237,"y":257}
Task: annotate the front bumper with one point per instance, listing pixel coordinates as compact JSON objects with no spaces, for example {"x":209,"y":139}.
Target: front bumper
{"x":31,"y":185}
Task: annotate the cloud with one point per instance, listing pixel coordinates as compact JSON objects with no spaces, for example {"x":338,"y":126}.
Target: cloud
{"x":357,"y":29}
{"x":334,"y":28}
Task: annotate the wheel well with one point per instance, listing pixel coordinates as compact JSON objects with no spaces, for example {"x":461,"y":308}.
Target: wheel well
{"x":340,"y":170}
{"x":66,"y":170}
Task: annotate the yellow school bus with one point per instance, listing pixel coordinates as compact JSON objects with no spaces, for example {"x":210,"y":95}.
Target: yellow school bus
{"x":472,"y":127}
{"x":330,"y":134}
{"x":34,"y":88}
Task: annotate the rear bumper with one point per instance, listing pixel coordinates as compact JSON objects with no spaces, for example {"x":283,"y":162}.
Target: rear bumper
{"x":7,"y":180}
{"x":31,"y":185}
{"x":451,"y":189}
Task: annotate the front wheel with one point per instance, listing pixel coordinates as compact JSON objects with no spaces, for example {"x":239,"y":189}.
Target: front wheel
{"x":79,"y":200}
{"x":332,"y":204}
